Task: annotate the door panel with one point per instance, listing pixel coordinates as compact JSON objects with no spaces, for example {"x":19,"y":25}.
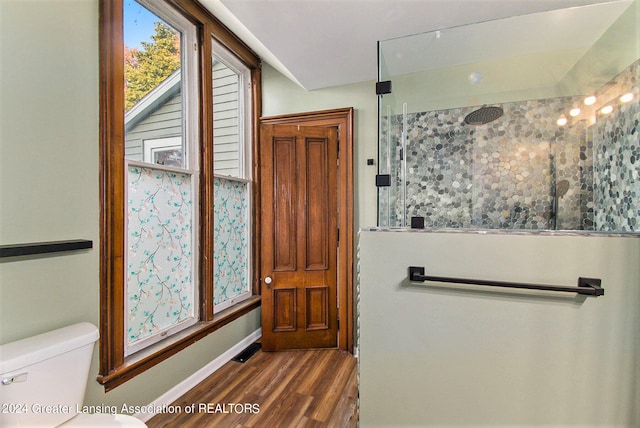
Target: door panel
{"x":317,"y":205}
{"x":299,"y":208}
{"x":317,"y":299}
{"x":285,"y":308}
{"x":284,"y":204}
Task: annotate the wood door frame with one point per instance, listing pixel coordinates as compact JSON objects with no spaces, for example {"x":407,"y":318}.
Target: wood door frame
{"x":342,"y":119}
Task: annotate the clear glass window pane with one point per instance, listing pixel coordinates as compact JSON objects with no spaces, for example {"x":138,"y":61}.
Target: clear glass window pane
{"x":153,"y":87}
{"x":227,"y":116}
{"x":231,"y":113}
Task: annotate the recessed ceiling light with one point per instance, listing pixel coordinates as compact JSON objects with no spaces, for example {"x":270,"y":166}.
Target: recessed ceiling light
{"x":562,"y":121}
{"x":574,"y":112}
{"x":626,"y":97}
{"x":475,"y":78}
{"x":590,"y":100}
{"x":606,"y":109}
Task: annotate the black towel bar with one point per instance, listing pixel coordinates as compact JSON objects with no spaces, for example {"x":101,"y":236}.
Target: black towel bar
{"x":587,"y":286}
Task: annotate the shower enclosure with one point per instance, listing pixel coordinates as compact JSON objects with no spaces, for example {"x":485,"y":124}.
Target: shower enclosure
{"x":529,"y":122}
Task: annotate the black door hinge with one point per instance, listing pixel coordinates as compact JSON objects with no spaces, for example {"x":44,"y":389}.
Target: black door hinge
{"x":383,"y":87}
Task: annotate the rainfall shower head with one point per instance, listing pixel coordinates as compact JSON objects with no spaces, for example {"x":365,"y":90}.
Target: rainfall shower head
{"x":483,"y":115}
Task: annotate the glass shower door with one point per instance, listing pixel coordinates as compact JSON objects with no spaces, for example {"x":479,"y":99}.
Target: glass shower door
{"x":392,"y":173}
{"x":539,"y":132}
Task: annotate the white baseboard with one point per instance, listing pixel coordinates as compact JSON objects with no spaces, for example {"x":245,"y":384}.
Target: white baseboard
{"x":180,"y":389}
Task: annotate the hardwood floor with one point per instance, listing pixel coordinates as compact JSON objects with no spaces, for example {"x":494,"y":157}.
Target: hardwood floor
{"x":316,"y":388}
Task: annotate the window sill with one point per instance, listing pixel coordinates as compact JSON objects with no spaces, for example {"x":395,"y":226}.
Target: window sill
{"x":149,"y":357}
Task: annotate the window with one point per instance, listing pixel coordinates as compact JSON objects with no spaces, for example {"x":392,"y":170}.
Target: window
{"x":163,"y":151}
{"x":161,"y":259}
{"x":176,"y":176}
{"x":232,"y":180}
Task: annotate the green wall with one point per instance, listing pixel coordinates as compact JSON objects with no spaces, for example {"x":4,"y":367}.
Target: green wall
{"x":282,"y":96}
{"x":49,"y":187}
{"x":458,"y":355}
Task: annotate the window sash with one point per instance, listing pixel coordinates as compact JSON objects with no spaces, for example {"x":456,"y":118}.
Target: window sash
{"x":224,"y":270}
{"x":154,"y":289}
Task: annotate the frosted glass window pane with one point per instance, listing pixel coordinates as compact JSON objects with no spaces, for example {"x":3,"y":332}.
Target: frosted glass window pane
{"x":231,"y":250}
{"x":160,"y":265}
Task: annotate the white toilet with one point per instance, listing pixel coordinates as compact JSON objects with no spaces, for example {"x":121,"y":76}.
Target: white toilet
{"x":44,"y":379}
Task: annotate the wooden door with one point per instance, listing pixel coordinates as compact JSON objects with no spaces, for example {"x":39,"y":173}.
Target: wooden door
{"x":299,"y":236}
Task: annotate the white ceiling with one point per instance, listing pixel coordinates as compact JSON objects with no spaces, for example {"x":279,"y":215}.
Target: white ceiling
{"x":324,"y":43}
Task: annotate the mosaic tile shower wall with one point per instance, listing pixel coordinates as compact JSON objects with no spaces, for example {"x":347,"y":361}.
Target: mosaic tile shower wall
{"x":617,"y":164}
{"x":521,"y":171}
{"x":493,"y":176}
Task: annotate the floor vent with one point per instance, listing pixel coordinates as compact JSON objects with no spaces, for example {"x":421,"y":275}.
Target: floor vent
{"x":247,"y":353}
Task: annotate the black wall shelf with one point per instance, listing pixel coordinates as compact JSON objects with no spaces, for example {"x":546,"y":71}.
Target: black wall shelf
{"x":33,"y":248}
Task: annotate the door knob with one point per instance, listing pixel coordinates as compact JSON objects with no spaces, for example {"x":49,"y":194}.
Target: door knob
{"x":268,"y":280}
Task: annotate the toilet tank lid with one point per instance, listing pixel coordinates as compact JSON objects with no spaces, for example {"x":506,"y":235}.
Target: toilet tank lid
{"x":22,"y":353}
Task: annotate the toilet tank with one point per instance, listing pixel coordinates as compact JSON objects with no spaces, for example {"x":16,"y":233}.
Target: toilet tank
{"x":43,"y":378}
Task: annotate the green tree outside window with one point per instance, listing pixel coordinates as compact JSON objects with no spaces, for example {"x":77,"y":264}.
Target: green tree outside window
{"x":147,"y":67}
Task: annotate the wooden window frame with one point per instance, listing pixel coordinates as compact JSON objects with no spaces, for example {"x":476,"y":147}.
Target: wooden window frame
{"x":115,"y":369}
